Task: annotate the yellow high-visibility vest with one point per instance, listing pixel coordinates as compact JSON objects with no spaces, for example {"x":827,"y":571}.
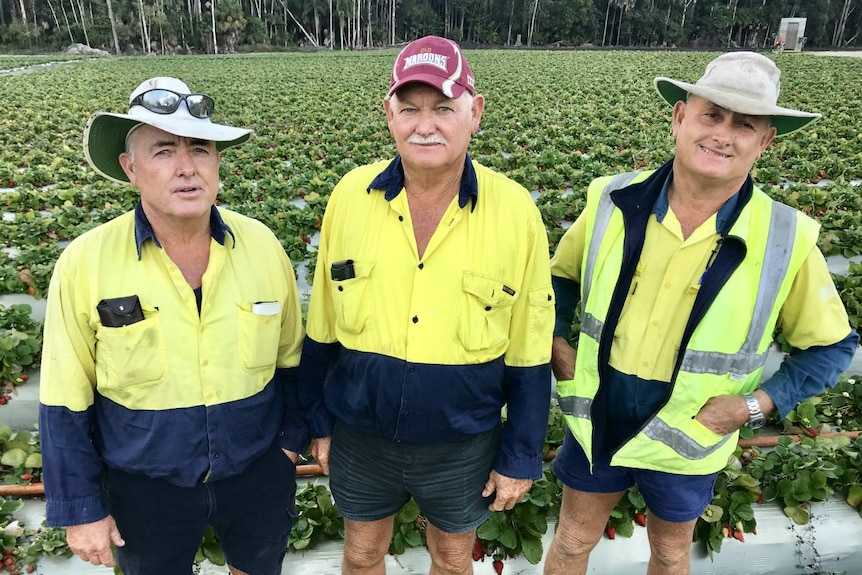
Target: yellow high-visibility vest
{"x":727,"y":350}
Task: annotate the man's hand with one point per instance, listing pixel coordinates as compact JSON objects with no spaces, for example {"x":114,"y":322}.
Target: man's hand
{"x":563,"y":359}
{"x":320,"y":451}
{"x":292,"y":455}
{"x":509,"y":491}
{"x":92,"y":541}
{"x":725,"y":414}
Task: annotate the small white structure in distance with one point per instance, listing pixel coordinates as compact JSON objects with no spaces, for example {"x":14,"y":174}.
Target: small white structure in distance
{"x":791,"y":34}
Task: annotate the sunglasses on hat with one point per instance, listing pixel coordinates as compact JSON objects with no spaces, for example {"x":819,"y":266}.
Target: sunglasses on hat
{"x":161,"y":101}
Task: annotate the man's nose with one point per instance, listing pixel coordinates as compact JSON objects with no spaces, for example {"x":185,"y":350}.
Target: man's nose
{"x":185,"y":164}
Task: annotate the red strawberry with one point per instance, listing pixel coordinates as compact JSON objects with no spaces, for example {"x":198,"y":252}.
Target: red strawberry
{"x":640,"y":519}
{"x":760,"y":497}
{"x":24,"y":377}
{"x":739,"y":536}
{"x":31,"y":568}
{"x":477,"y":550}
{"x":611,"y":532}
{"x":3,"y":400}
{"x":27,"y":476}
{"x":812,"y":432}
{"x":498,"y":566}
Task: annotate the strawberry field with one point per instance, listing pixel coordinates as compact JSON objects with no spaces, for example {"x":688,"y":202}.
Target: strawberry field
{"x":553,"y":121}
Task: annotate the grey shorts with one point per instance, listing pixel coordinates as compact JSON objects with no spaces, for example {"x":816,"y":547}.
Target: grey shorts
{"x":372,"y":477}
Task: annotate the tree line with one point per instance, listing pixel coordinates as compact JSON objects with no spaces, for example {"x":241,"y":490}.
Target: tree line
{"x":218,"y":26}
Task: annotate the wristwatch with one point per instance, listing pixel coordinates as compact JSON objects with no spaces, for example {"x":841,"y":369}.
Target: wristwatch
{"x":756,"y":419}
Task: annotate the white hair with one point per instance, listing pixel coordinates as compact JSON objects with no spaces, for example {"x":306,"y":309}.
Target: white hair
{"x":130,"y":142}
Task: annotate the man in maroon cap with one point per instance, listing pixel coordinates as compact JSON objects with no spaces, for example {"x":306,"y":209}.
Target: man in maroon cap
{"x":432,"y":309}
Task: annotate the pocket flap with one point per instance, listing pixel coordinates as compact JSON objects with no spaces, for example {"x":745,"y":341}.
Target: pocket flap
{"x":488,"y":291}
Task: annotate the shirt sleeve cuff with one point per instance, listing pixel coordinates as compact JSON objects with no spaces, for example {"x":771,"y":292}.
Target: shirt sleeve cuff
{"x":294,"y":436}
{"x":60,"y":513}
{"x":518,"y":467}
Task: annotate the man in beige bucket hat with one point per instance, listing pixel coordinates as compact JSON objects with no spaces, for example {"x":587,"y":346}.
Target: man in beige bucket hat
{"x":682,"y":275}
{"x":172,"y":338}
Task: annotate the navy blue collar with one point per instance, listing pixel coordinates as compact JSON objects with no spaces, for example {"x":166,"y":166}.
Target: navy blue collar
{"x":144,"y":231}
{"x":725,"y":213}
{"x":391,"y":182}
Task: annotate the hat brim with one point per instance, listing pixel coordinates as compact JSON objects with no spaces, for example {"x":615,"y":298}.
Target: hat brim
{"x":785,"y":120}
{"x":432,"y":80}
{"x":105,"y":137}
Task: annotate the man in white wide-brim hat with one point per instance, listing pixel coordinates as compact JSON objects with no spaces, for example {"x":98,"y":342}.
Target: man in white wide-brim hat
{"x":682,"y":275}
{"x":172,"y":338}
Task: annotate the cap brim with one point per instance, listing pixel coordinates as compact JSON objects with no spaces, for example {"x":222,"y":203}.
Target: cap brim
{"x":429,"y":80}
{"x":785,"y":120}
{"x":105,"y":137}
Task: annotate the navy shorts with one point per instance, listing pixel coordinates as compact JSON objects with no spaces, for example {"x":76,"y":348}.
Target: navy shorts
{"x":163,"y":524}
{"x":671,"y":497}
{"x":372,"y":477}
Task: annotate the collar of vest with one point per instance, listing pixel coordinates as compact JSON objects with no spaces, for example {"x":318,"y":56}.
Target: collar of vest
{"x":642,"y":196}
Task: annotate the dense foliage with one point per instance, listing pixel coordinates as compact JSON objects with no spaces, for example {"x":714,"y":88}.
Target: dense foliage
{"x":169,"y":26}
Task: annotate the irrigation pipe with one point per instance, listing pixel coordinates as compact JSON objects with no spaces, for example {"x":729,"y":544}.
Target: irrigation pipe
{"x":772,"y":440}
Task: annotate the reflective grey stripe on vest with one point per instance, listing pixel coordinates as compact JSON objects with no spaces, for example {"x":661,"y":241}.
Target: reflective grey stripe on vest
{"x":590,"y":325}
{"x":681,"y":443}
{"x":776,"y":261}
{"x":576,"y":406}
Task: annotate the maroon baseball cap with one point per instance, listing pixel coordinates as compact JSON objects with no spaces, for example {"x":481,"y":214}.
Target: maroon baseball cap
{"x":435,"y":61}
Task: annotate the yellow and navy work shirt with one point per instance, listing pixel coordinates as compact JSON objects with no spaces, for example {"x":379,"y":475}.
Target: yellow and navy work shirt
{"x":658,"y":306}
{"x":430,"y":349}
{"x":182,"y":395}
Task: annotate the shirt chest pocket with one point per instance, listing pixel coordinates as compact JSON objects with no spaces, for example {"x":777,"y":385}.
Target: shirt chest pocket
{"x":259,"y":330}
{"x":132,"y":354}
{"x":349,"y":299}
{"x":485,"y":313}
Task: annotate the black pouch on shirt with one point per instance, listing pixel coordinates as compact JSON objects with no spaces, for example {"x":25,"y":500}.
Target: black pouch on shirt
{"x":120,"y":311}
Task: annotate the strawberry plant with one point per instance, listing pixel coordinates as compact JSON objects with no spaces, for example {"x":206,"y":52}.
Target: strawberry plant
{"x":841,"y":406}
{"x":519,"y":531}
{"x":316,"y":517}
{"x":20,"y":346}
{"x":409,"y":529}
{"x":628,"y":512}
{"x":20,"y":457}
{"x":796,"y":474}
{"x":730,"y":513}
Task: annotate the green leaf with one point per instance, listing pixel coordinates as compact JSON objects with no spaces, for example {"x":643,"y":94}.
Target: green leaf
{"x":508,"y":538}
{"x":14,"y":458}
{"x":799,"y":515}
{"x":34,"y":461}
{"x":409,"y":512}
{"x":532,"y":548}
{"x":489,"y":530}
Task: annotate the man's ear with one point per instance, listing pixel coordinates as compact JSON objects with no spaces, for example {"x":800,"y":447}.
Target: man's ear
{"x":678,"y":115}
{"x":767,"y":138}
{"x":128,"y":165}
{"x":388,"y":108}
{"x":477,"y":111}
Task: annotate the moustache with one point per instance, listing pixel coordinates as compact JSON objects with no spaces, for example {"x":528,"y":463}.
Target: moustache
{"x":434,"y":139}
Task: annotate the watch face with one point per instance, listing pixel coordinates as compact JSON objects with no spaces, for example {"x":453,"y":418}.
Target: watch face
{"x":756,"y":423}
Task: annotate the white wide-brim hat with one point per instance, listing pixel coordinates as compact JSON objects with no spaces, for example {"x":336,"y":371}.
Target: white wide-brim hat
{"x":743,"y":82}
{"x":105,"y":133}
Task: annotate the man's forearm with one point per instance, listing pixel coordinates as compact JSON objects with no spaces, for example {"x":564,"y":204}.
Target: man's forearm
{"x":807,"y":373}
